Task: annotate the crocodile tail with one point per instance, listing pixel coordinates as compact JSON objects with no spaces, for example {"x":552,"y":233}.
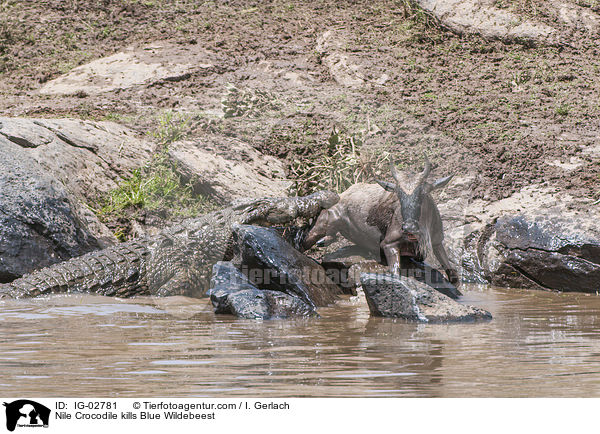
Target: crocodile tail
{"x":115,"y":271}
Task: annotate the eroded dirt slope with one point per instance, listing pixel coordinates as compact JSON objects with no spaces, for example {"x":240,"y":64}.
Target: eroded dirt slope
{"x":513,"y":114}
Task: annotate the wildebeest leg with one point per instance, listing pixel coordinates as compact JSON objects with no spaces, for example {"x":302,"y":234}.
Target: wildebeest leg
{"x":440,"y":254}
{"x":391,"y":250}
{"x":392,"y":255}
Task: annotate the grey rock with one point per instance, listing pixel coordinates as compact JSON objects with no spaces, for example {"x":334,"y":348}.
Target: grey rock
{"x":38,"y":223}
{"x":231,"y":293}
{"x":405,"y":297}
{"x":224,"y":273}
{"x":546,"y":253}
{"x":272,"y":263}
{"x":89,"y":158}
{"x":482,"y":18}
{"x":539,"y":237}
{"x":50,"y":169}
{"x":253,"y":303}
{"x":228,"y":169}
{"x":134,"y":66}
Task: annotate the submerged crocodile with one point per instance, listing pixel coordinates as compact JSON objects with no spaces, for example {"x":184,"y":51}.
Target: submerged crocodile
{"x":178,"y":261}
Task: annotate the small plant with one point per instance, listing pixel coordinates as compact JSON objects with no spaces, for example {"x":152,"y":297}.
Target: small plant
{"x":415,"y":13}
{"x":526,"y":7}
{"x":346,"y":162}
{"x":562,"y":109}
{"x":156,"y":186}
{"x":172,"y":127}
{"x":596,"y":196}
{"x":520,"y":78}
{"x":249,"y":102}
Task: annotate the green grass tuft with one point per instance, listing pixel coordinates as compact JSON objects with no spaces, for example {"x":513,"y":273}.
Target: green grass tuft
{"x":172,"y":127}
{"x":156,"y":186}
{"x":562,"y":109}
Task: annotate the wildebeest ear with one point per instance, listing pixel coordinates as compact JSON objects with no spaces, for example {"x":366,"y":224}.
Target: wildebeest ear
{"x":386,"y":185}
{"x":439,"y":183}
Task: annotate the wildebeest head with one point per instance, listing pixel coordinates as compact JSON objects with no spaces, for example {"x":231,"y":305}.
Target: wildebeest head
{"x":414,"y":235}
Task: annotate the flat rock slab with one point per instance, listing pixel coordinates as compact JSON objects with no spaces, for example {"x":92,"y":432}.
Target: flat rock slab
{"x":272,"y":263}
{"x":89,"y":158}
{"x":227,"y":169}
{"x":131,"y":67}
{"x":402,"y":297}
{"x":482,"y":18}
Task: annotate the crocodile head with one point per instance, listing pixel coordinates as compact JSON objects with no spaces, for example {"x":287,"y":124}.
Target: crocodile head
{"x":325,"y":198}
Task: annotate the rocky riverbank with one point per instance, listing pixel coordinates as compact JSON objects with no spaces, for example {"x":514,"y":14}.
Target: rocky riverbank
{"x":270,"y":100}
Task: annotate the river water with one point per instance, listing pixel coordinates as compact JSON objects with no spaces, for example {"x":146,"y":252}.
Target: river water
{"x":538,"y":344}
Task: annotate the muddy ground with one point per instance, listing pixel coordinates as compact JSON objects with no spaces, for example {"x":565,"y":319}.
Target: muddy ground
{"x":513,"y":114}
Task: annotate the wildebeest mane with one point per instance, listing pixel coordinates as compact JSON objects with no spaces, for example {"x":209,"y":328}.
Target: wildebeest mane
{"x":381,"y":216}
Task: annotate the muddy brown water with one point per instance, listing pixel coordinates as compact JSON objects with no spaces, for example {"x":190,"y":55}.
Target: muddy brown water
{"x":538,"y":344}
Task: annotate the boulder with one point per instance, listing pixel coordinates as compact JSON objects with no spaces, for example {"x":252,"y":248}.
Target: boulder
{"x":330,"y":45}
{"x":253,"y":303}
{"x":407,"y":298}
{"x":536,"y":238}
{"x":40,"y":222}
{"x":272,"y":263}
{"x":231,"y":293}
{"x":546,"y":252}
{"x":226,"y":274}
{"x":51,"y":168}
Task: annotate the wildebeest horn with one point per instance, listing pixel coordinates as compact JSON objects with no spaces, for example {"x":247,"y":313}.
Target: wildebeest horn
{"x":396,"y":177}
{"x":425,"y":172}
{"x":394,"y":171}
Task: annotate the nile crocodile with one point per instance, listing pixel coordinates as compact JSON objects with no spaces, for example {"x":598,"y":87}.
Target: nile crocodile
{"x":178,"y":261}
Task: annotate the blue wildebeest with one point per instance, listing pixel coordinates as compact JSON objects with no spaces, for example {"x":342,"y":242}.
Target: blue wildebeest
{"x":384,"y":218}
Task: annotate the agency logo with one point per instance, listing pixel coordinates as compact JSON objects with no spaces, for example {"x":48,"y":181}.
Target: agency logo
{"x":26,"y":413}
